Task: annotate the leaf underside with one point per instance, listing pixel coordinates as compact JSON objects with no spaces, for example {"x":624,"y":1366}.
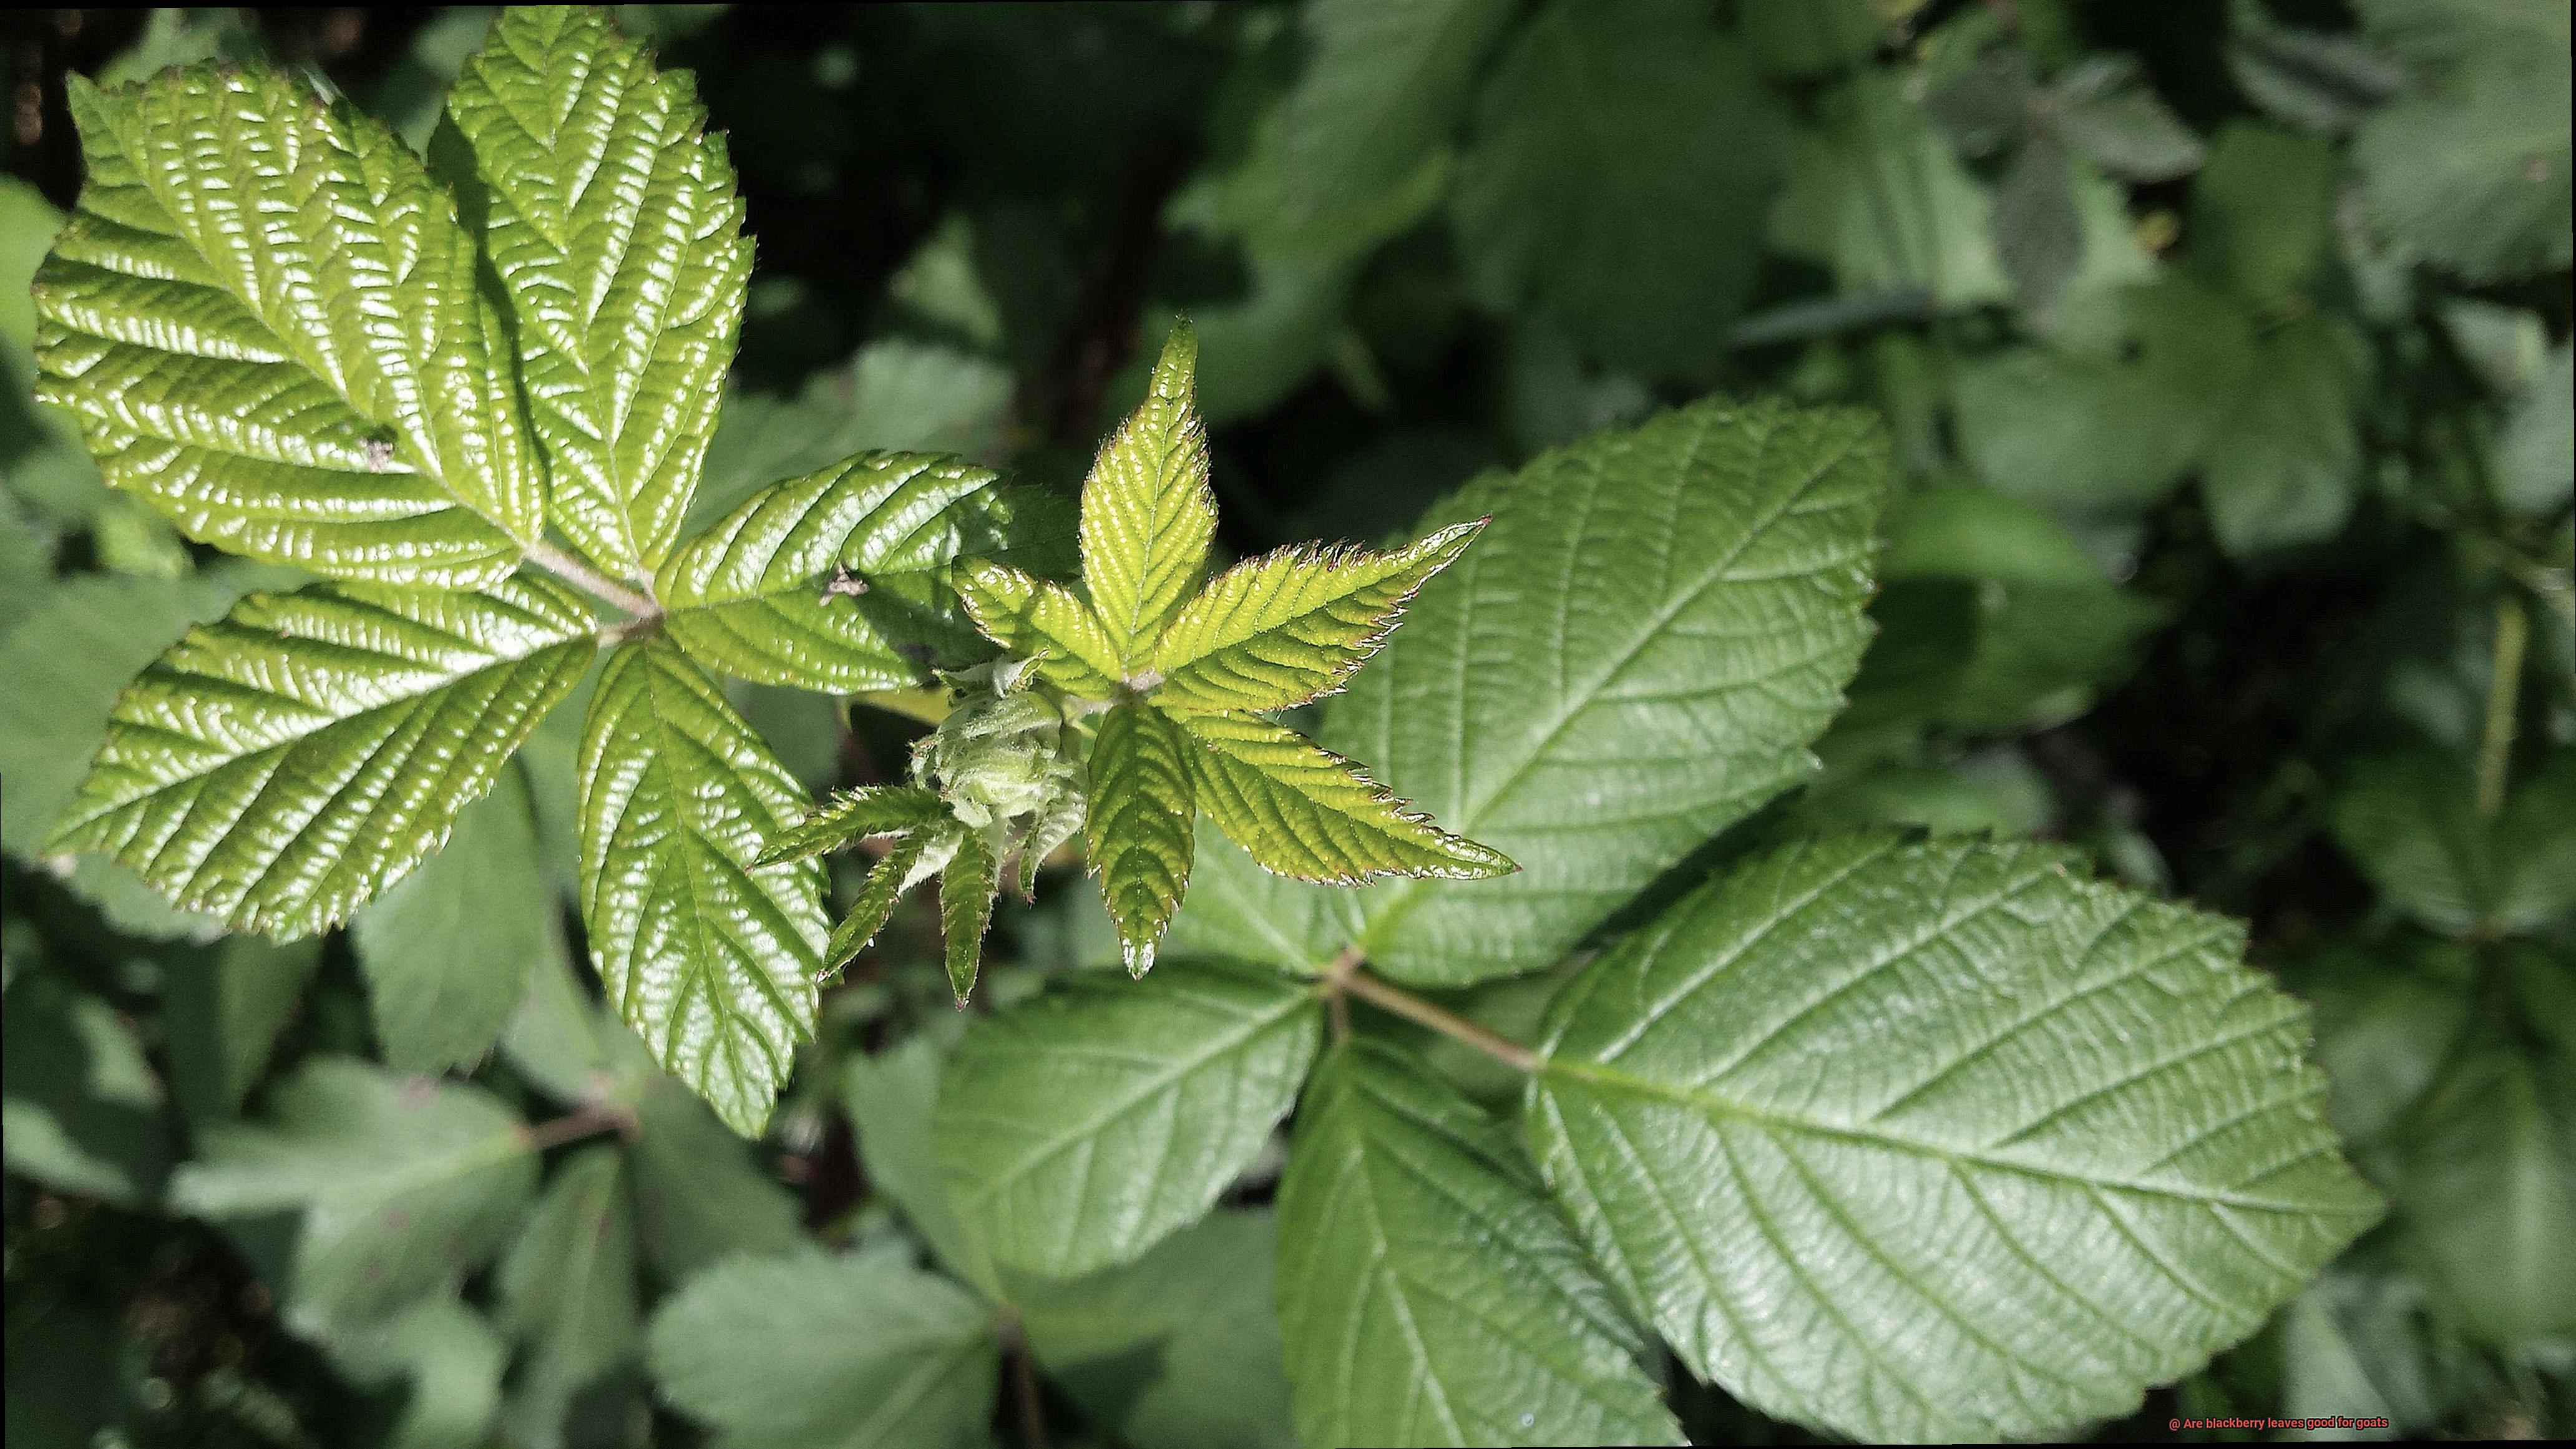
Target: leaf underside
{"x":278,"y":768}
{"x":2089,"y":1155}
{"x":710,"y":958}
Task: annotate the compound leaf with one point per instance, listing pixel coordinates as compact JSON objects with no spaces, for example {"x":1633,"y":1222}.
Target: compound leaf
{"x":611,"y":219}
{"x":265,"y":317}
{"x":278,"y":768}
{"x":1078,"y":1129}
{"x":825,"y":582}
{"x":1427,"y":1292}
{"x":1147,"y":514}
{"x":808,"y":1352}
{"x":1284,"y":628}
{"x":1306,"y":812}
{"x":405,"y":1185}
{"x":2086,"y":1152}
{"x":1139,"y":831}
{"x":709,"y":957}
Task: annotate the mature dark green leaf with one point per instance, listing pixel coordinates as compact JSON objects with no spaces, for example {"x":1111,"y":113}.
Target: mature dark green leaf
{"x":84,"y":1113}
{"x":1876,"y":196}
{"x":1078,"y":1129}
{"x":568,"y":1291}
{"x":1427,"y":1293}
{"x":265,"y":316}
{"x":2486,"y":1181}
{"x":710,"y":958}
{"x":893,"y":1099}
{"x":448,"y":949}
{"x":2284,"y":467}
{"x":2411,"y":821}
{"x":406,"y":1186}
{"x":1621,"y":156}
{"x":611,"y":220}
{"x":1139,"y":830}
{"x":2262,"y":210}
{"x":221,"y":1017}
{"x":1989,"y":1231}
{"x":829,"y":581}
{"x":446,"y":1359}
{"x":2105,"y":109}
{"x":281,"y":767}
{"x":808,"y":1352}
{"x":700,"y":1197}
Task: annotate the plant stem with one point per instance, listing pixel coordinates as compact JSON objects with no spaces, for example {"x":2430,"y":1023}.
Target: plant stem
{"x":577,"y":1124}
{"x":555,"y":561}
{"x":1024,"y":1379}
{"x":1345,"y":974}
{"x":2495,"y":752}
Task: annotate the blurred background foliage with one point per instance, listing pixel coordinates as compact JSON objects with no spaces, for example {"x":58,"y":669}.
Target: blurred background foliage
{"x":2226,"y":345}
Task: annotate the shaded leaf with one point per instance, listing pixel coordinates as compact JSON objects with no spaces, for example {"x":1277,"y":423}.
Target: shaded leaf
{"x":568,"y":1290}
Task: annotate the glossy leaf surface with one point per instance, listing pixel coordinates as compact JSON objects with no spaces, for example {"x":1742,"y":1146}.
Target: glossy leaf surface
{"x":1139,"y":831}
{"x":1147,"y":514}
{"x":1305,"y":812}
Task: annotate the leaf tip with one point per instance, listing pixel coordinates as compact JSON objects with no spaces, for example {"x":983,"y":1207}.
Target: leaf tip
{"x":1178,"y":367}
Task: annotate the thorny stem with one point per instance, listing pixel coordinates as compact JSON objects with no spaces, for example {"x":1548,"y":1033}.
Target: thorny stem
{"x":555,"y":561}
{"x":589,"y":1121}
{"x":1346,"y":974}
{"x":2495,"y":752}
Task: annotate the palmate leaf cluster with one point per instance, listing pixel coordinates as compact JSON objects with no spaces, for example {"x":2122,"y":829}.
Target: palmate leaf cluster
{"x":2201,"y":536}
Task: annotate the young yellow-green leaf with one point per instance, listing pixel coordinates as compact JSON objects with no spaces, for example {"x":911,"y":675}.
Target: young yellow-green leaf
{"x":1045,"y":621}
{"x":278,"y":768}
{"x":1139,"y":832}
{"x":2086,"y":1150}
{"x":611,"y":219}
{"x":851,"y":816}
{"x":709,"y":957}
{"x":1147,"y":514}
{"x":1080,"y":1128}
{"x":875,"y":903}
{"x":1286,"y":627}
{"x":265,"y":317}
{"x":1427,"y":1292}
{"x":966,"y":891}
{"x":1306,"y":812}
{"x":823,"y":582}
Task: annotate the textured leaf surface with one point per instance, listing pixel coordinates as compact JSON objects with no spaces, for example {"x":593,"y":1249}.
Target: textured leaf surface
{"x":568,"y":1290}
{"x":967,"y":887}
{"x":404,"y":1185}
{"x":874,"y":905}
{"x":1035,"y":618}
{"x":1079,"y":1128}
{"x":1147,"y":514}
{"x":807,"y":1352}
{"x":1306,"y":812}
{"x":1634,"y":656}
{"x":1427,"y":1292}
{"x":448,"y":949}
{"x":823,"y":582}
{"x":265,"y":316}
{"x":710,"y":958}
{"x":1937,"y":1141}
{"x":278,"y":768}
{"x":612,"y":221}
{"x":1284,"y":628}
{"x":851,"y":816}
{"x":1139,"y":830}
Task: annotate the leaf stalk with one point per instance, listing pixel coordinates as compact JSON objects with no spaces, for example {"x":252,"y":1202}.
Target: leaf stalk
{"x":1347,"y":975}
{"x":2495,"y":750}
{"x":563,"y":565}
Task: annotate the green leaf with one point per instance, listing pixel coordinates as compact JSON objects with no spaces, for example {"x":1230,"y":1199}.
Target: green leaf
{"x":1637,"y":652}
{"x":265,"y":317}
{"x":2410,"y":821}
{"x":710,"y":958}
{"x":221,"y":1017}
{"x":406,"y":1185}
{"x":1876,"y":196}
{"x":449,"y":1360}
{"x":1179,"y":1349}
{"x":1147,"y":514}
{"x":1291,"y":625}
{"x":808,"y":1352}
{"x":875,"y":902}
{"x":2107,"y":111}
{"x":568,"y":1290}
{"x":1621,"y":156}
{"x":1034,"y":618}
{"x":448,"y":949}
{"x":2284,"y":467}
{"x":83,"y":1109}
{"x":851,"y":816}
{"x":1138,"y":835}
{"x":281,"y":767}
{"x":2262,"y":211}
{"x":893,"y":1097}
{"x":1986,"y":1233}
{"x":1079,"y":1128}
{"x":1306,"y":812}
{"x":2535,"y":461}
{"x":699,"y":1196}
{"x":2486,"y":1180}
{"x":2470,"y":169}
{"x":825,"y":582}
{"x":1427,"y":1293}
{"x":611,"y":219}
{"x":967,"y":887}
